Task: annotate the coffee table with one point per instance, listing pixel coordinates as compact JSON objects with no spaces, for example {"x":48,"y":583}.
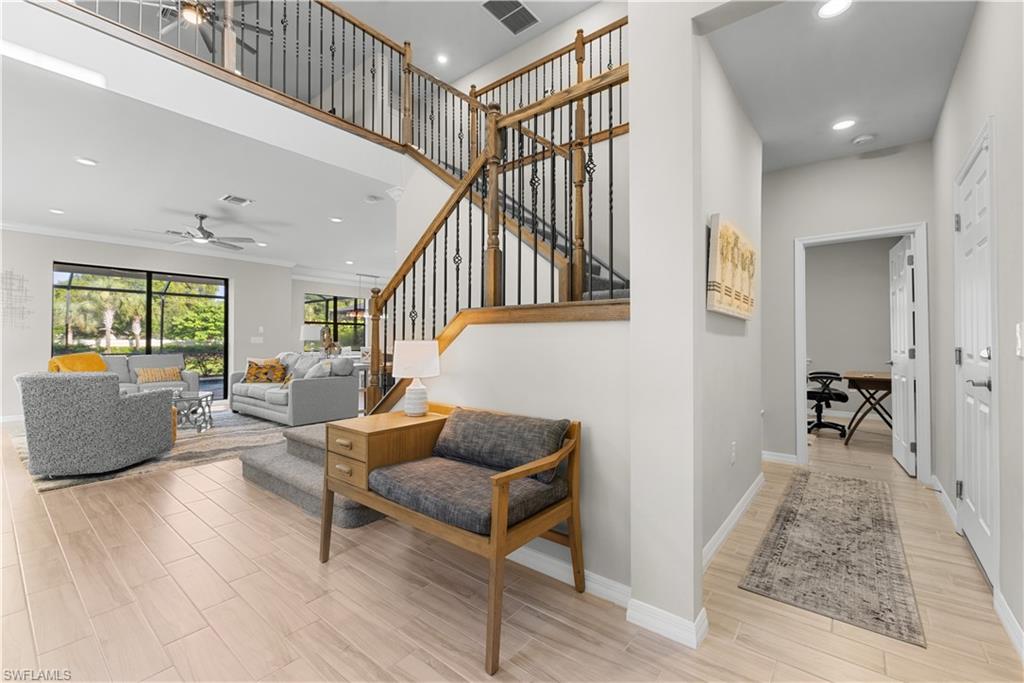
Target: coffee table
{"x":195,"y":409}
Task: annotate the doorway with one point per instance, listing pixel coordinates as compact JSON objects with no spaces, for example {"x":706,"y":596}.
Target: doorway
{"x":916,"y":404}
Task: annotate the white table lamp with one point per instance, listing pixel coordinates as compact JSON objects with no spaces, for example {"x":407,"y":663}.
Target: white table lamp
{"x":308,"y":333}
{"x":415,"y":360}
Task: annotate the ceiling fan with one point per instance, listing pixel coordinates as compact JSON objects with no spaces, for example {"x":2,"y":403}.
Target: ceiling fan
{"x":203,"y":14}
{"x":201,"y":235}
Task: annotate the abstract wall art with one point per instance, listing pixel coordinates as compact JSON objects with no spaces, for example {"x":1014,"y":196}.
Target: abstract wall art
{"x":732,"y":270}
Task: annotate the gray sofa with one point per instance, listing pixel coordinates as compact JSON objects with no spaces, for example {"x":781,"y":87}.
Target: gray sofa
{"x":79,"y":423}
{"x":127,"y":370}
{"x":303,"y":400}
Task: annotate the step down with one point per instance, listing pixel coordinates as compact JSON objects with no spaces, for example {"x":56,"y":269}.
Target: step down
{"x":300,"y":481}
{"x":307,"y":442}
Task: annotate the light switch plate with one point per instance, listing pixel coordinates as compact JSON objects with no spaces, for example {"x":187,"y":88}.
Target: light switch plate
{"x":255,"y":340}
{"x":1020,"y":340}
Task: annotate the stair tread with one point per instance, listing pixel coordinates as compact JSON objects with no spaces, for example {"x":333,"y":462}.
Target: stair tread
{"x":296,"y":471}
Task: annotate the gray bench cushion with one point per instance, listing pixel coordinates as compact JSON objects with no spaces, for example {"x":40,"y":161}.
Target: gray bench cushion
{"x":459,"y":493}
{"x":500,"y":441}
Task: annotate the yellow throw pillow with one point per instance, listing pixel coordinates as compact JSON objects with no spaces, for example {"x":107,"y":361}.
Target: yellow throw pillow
{"x":147,"y":375}
{"x":87,"y":361}
{"x":265,"y":372}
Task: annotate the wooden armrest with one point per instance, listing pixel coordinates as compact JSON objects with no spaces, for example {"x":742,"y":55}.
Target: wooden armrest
{"x":541,"y":464}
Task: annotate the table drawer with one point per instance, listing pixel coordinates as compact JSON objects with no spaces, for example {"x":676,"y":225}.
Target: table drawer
{"x":348,"y":470}
{"x":349,"y":444}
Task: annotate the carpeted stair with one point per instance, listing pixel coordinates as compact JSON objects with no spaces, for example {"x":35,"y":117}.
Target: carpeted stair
{"x":294,"y":470}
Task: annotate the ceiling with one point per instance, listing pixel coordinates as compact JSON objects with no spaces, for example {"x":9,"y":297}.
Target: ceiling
{"x":886,"y":64}
{"x":464,"y":31}
{"x":157,"y":168}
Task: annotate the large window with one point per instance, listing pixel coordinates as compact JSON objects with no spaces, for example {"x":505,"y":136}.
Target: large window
{"x":345,"y":316}
{"x":113,"y":310}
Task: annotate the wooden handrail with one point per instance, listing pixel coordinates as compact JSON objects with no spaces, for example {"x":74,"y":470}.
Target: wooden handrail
{"x":457,"y":195}
{"x":445,"y":86}
{"x":573,"y":93}
{"x":560,"y":52}
{"x":361,"y":25}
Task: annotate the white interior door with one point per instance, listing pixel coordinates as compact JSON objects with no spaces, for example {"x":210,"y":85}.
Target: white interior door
{"x":902,"y":354}
{"x":977,"y":477}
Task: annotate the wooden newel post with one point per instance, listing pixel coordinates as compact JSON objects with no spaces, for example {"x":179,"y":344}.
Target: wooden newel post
{"x":578,"y":172}
{"x":494,"y":288}
{"x":474,"y":124}
{"x":407,"y":95}
{"x":373,"y":389}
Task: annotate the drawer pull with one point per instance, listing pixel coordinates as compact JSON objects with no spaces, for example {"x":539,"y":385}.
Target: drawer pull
{"x":345,"y":469}
{"x":344,"y":443}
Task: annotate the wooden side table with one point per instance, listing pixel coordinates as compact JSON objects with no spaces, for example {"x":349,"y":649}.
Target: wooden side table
{"x":357,"y":446}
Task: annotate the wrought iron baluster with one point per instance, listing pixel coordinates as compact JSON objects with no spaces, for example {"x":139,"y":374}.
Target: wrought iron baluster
{"x":611,"y":203}
{"x":553,"y":217}
{"x":483,"y":234}
{"x":353,"y":119}
{"x":534,"y":186}
{"x":589,"y":168}
{"x":423,"y":295}
{"x":569,"y":208}
{"x":271,"y":44}
{"x":298,"y":31}
{"x":522,"y":218}
{"x":373,"y":84}
{"x":284,"y":49}
{"x":469,"y":249}
{"x":334,"y":57}
{"x":504,"y":209}
{"x":457,"y":258}
{"x":321,"y":54}
{"x":403,"y":310}
{"x":433,"y":290}
{"x":444,"y":288}
{"x":309,"y":51}
{"x":362,"y":89}
{"x":259,"y":37}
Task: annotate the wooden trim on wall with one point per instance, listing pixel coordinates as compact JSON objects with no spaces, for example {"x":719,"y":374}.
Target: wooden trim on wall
{"x":577,"y":311}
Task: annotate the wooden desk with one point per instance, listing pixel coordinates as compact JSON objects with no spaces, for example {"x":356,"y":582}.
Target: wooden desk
{"x":875,"y":387}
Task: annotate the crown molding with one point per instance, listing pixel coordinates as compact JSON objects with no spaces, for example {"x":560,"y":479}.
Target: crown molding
{"x":138,"y":243}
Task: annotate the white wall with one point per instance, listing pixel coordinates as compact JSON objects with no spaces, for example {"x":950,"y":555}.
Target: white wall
{"x":667,"y":253}
{"x":818,"y":199}
{"x":260,"y":295}
{"x":848,"y":308}
{"x":556,"y":370}
{"x":987,"y":83}
{"x":730,"y":183}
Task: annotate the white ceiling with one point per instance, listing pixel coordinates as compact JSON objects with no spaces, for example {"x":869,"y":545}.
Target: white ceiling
{"x":886,"y":64}
{"x":157,"y":168}
{"x":464,"y":31}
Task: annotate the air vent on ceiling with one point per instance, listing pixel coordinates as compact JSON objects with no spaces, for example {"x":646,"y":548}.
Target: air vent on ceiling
{"x":236,"y":200}
{"x":513,"y":15}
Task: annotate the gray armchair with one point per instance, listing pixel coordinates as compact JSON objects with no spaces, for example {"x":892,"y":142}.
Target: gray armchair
{"x":78,"y":423}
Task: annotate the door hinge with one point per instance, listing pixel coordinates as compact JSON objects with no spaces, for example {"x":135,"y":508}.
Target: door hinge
{"x":913,"y":447}
{"x":958,"y":356}
{"x":912,"y":353}
{"x":956,"y":222}
{"x":959,"y":489}
{"x":910,"y":259}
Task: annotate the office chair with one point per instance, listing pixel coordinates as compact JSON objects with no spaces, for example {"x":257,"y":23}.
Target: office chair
{"x":824,"y":395}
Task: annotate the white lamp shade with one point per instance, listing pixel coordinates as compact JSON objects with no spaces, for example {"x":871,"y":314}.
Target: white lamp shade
{"x":416,"y":359}
{"x":309,"y":333}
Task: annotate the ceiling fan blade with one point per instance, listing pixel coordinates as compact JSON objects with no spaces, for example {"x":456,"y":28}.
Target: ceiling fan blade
{"x":169,"y":27}
{"x":178,"y":244}
{"x":178,"y":233}
{"x":237,"y":240}
{"x":207,"y":38}
{"x":224,"y":245}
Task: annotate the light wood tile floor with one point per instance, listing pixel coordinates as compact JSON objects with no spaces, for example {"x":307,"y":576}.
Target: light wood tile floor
{"x":197,"y":575}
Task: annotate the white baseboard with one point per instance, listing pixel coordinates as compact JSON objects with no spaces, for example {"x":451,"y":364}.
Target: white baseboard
{"x":716,"y":541}
{"x":784,"y":458}
{"x":672,"y":626}
{"x":947,"y":504}
{"x":597,"y":585}
{"x":1010,"y":623}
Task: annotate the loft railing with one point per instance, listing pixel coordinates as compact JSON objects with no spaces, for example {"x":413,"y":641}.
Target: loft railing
{"x":310,"y":51}
{"x":520,"y":227}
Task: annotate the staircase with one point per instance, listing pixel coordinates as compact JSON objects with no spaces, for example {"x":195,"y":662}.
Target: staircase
{"x":535,"y":227}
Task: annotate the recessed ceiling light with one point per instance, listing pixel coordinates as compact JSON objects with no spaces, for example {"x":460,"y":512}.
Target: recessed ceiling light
{"x":335,"y":219}
{"x":261,"y":244}
{"x":86,"y":161}
{"x":58,"y":212}
{"x":442,"y":59}
{"x":350,"y":263}
{"x":843,"y":124}
{"x":863,"y":139}
{"x":833,"y":8}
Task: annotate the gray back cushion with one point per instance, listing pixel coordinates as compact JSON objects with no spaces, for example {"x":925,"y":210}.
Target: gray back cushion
{"x":303,"y":363}
{"x":321,"y":369}
{"x":341,"y":367}
{"x":498,"y":441}
{"x":288,"y":358}
{"x":118,"y":365}
{"x":155,"y":360}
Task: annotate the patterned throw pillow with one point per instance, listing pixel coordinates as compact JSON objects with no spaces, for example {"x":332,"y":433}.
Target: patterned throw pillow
{"x":264,"y":372}
{"x":147,"y":375}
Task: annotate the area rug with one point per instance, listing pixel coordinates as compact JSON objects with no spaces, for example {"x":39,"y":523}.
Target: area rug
{"x":231,"y":434}
{"x":834,"y":548}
